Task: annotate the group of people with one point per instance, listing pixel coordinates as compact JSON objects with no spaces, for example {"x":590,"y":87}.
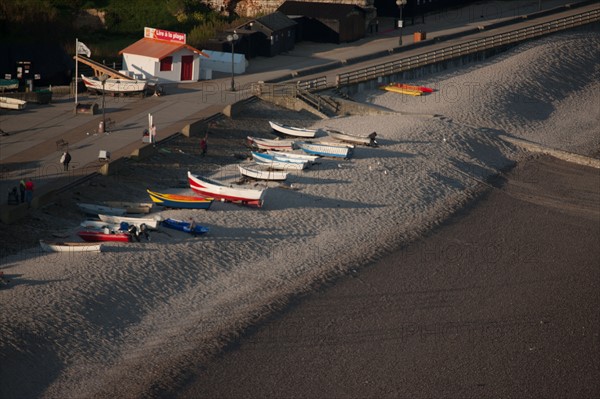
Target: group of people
{"x":26,"y":185}
{"x":26,"y":190}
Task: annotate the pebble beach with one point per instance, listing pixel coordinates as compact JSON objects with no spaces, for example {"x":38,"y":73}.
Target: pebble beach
{"x":133,"y":320}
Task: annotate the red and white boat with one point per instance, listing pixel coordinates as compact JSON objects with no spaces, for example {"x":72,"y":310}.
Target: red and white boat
{"x":221,"y":191}
{"x":99,"y":236}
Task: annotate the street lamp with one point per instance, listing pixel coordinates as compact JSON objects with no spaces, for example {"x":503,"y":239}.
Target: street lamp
{"x":400,"y":4}
{"x":103,"y":79}
{"x":232,"y":39}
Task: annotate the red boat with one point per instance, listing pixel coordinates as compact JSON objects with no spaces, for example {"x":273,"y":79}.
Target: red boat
{"x":97,"y":236}
{"x":422,"y":89}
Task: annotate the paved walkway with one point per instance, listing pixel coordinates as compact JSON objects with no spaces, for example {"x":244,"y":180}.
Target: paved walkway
{"x":30,"y":149}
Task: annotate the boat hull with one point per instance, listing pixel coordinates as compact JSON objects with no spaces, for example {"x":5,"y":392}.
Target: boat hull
{"x":184,"y":226}
{"x":131,"y":207}
{"x":278,"y":163}
{"x":264,"y":173}
{"x":96,"y":236}
{"x":293,"y":156}
{"x":12,"y":103}
{"x":326,"y":150}
{"x":350,"y":138}
{"x":267,"y":144}
{"x":293,"y":131}
{"x":93,"y":209}
{"x":48,"y":246}
{"x":180,"y":201}
{"x":213,"y":189}
{"x":114,"y":86}
{"x":150,"y":223}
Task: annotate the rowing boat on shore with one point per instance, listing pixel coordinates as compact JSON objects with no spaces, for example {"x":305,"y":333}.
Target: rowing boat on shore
{"x":151,"y":223}
{"x":66,"y":246}
{"x":226,"y":193}
{"x":297,"y":156}
{"x":114,"y":86}
{"x":95,"y":209}
{"x":262,"y":172}
{"x":8,"y":85}
{"x":268,"y":144}
{"x":293,"y":131}
{"x":100,"y":225}
{"x":12,"y":103}
{"x":351,"y":138}
{"x":279,"y":163}
{"x":131,"y":207}
{"x":188,"y":227}
{"x":99,"y":236}
{"x":178,"y":201}
{"x":326,"y":150}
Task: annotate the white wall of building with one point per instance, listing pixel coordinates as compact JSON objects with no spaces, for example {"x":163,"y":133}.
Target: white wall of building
{"x":221,"y":62}
{"x":150,"y":67}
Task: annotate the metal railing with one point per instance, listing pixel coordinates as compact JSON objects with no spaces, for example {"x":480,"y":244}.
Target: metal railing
{"x":470,"y":47}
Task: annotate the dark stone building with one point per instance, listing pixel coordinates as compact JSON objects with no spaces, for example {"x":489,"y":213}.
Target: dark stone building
{"x":326,"y":22}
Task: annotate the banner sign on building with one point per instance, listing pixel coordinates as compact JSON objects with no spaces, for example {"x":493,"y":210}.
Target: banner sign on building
{"x":159,"y":34}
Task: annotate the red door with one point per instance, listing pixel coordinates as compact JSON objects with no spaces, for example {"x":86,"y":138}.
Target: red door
{"x":187,"y":66}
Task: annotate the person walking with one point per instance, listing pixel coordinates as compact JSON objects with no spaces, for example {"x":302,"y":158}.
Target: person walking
{"x":153,"y":133}
{"x":28,"y":192}
{"x":204,"y":145}
{"x":22,"y":190}
{"x":65,"y":159}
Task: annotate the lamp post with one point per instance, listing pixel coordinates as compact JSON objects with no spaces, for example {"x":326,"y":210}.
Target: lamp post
{"x":400,"y":4}
{"x":103,"y":79}
{"x":232,"y":39}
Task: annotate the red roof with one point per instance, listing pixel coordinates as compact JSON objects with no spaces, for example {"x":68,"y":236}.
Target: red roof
{"x":157,"y":48}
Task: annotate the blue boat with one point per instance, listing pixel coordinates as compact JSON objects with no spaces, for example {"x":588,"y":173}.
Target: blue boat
{"x":184,"y":226}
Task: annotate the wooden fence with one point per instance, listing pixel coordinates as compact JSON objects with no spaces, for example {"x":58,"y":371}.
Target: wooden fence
{"x":470,"y":47}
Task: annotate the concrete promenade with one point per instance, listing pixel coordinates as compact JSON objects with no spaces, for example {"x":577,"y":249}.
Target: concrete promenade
{"x":29,"y":147}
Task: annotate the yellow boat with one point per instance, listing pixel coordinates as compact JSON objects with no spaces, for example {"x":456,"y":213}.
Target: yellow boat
{"x":401,"y":90}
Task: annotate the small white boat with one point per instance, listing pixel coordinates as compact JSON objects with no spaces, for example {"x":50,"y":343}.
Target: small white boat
{"x":326,"y":150}
{"x":116,"y":86}
{"x":268,"y":144}
{"x":12,"y":103}
{"x":298,"y":156}
{"x":58,"y":246}
{"x":278,"y":163}
{"x":95,"y":209}
{"x":262,"y":172}
{"x":131,"y":207}
{"x":350,"y":138}
{"x":151,"y":223}
{"x":221,"y":191}
{"x":293,"y":131}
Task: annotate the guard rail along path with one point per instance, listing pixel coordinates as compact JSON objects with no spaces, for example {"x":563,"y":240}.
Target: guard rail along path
{"x":470,"y":47}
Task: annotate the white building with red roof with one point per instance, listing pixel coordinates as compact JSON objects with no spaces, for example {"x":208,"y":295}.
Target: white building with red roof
{"x":164,"y":56}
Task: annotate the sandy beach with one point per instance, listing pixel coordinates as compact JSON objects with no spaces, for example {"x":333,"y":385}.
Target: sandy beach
{"x":501,"y":301}
{"x":140,"y":319}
